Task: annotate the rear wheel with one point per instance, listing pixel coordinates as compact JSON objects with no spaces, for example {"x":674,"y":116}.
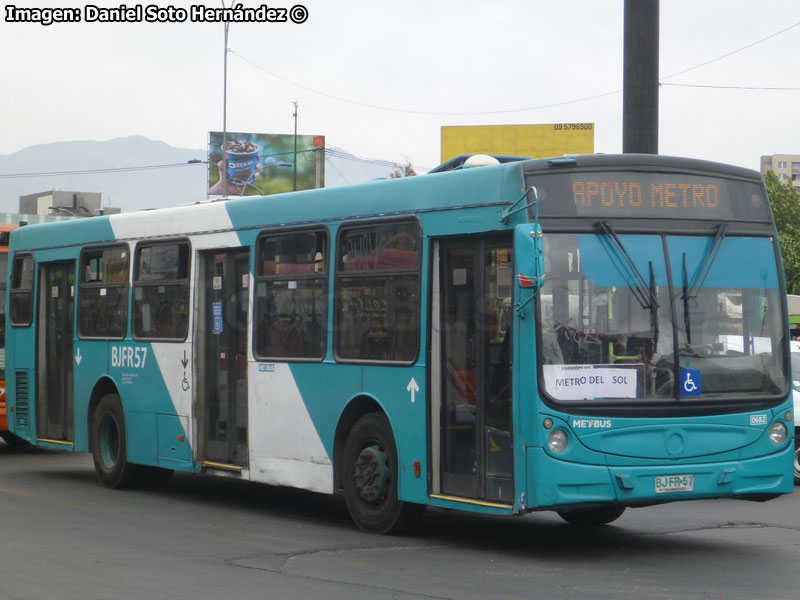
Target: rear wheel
{"x":589,"y":517}
{"x":370,"y":478}
{"x":109,"y":450}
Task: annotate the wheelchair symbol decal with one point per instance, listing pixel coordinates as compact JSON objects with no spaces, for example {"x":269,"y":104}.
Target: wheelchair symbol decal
{"x":690,"y":382}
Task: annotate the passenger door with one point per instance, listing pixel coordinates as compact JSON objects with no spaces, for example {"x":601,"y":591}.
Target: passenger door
{"x":54,"y":354}
{"x":471,"y":368}
{"x":225,"y":301}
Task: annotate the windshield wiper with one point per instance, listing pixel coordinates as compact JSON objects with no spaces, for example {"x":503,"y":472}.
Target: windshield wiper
{"x":690,"y":290}
{"x":653,"y":309}
{"x":708,"y":260}
{"x":644,"y":293}
{"x":687,"y":322}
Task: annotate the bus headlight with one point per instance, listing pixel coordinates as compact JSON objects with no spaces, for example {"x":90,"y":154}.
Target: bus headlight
{"x":557,"y":441}
{"x":778,"y":433}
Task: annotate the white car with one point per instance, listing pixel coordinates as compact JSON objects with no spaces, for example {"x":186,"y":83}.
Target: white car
{"x":795,"y":348}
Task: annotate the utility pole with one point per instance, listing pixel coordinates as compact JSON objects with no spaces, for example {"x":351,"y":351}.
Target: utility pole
{"x":640,"y":77}
{"x":294,"y":162}
{"x":224,"y":171}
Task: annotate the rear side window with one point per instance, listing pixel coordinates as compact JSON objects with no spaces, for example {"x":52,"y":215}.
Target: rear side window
{"x":291,"y":301}
{"x":103,"y":293}
{"x":161,"y":291}
{"x":21,"y":308}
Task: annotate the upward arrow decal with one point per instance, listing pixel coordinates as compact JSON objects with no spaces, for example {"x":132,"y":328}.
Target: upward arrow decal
{"x":412,"y":387}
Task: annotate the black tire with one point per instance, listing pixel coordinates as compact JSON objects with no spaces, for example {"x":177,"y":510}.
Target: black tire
{"x":369,"y":477}
{"x":592,"y":517}
{"x":797,"y":458}
{"x":109,"y":451}
{"x":109,"y":444}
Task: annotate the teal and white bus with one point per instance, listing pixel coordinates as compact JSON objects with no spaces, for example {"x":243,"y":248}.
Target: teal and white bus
{"x":580,"y":334}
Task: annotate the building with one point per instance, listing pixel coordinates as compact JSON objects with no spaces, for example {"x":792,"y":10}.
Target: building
{"x":30,"y":219}
{"x":63,"y":203}
{"x":785,"y":166}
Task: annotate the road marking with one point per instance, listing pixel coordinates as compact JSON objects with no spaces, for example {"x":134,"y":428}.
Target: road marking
{"x":20,"y":493}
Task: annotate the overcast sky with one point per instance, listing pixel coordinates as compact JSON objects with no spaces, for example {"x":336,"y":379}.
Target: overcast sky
{"x":418,"y":61}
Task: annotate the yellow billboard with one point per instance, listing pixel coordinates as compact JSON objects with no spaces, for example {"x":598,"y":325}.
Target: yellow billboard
{"x":533,"y":141}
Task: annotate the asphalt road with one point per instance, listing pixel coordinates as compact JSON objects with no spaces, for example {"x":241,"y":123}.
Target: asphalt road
{"x":62,"y":535}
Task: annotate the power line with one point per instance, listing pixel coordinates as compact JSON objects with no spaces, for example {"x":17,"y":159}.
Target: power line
{"x":733,"y":87}
{"x":335,"y":168}
{"x":417,"y":112}
{"x":511,"y":110}
{"x":96,"y":171}
{"x":328,"y":154}
{"x":708,"y":62}
{"x":389,"y":164}
{"x":373,"y":161}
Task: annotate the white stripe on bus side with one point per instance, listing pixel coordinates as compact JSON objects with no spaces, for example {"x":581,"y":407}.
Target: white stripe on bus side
{"x":173,"y":222}
{"x":177,"y":379}
{"x":285,"y":448}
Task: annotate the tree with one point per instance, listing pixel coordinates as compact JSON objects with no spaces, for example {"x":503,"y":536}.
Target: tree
{"x":785,"y":203}
{"x":404,"y":170}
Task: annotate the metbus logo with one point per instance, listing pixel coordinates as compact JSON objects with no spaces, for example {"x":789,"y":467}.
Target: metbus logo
{"x":591,"y":423}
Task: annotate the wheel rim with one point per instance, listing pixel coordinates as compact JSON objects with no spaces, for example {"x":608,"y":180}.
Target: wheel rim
{"x":109,"y":442}
{"x":371,"y":474}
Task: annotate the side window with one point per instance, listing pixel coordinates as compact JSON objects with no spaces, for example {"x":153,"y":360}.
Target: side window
{"x":103,"y":293}
{"x":377,"y":292}
{"x":21,"y":309}
{"x":161,"y":291}
{"x":291,"y":308}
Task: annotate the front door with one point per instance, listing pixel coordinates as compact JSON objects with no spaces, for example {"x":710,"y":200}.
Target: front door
{"x":223,"y":338}
{"x":54,"y":407}
{"x":472,"y":405}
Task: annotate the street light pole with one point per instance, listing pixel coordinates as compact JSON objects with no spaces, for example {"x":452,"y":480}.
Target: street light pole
{"x":224,"y":171}
{"x":294,"y":169}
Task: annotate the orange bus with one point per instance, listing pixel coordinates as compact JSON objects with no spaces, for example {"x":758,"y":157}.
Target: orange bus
{"x":5,"y":230}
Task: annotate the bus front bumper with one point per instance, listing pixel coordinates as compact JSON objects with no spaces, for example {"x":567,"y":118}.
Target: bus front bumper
{"x":557,"y":484}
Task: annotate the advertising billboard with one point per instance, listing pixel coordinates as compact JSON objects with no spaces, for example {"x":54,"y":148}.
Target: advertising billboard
{"x":259,"y":164}
{"x":532,"y":141}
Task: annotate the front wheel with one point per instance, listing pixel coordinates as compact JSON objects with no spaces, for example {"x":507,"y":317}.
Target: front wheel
{"x":370,"y":478}
{"x":590,"y":517}
{"x":797,"y":458}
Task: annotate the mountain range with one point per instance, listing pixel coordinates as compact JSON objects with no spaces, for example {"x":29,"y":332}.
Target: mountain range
{"x":136,"y":173}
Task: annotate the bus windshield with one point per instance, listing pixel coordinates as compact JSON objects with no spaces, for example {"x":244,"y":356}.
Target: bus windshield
{"x":607,"y":313}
